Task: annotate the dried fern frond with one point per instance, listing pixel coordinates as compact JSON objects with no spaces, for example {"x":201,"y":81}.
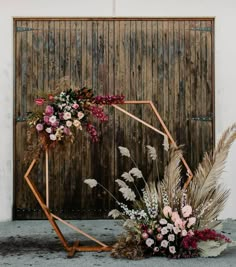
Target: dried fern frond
{"x":172,"y":175}
{"x":205,"y":194}
{"x":129,"y":247}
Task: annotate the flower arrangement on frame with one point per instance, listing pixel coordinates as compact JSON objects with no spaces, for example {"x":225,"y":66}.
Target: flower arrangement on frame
{"x":163,"y":219}
{"x":63,"y":113}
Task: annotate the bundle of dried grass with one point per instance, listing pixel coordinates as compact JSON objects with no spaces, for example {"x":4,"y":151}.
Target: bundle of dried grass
{"x":128,"y":247}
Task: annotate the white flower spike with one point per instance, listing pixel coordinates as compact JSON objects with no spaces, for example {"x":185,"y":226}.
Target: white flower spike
{"x":136,"y":172}
{"x":128,"y":194}
{"x":127,"y":177}
{"x":152,"y":153}
{"x":91,"y":182}
{"x":124,"y":151}
{"x":114,"y":213}
{"x":166,"y":143}
{"x":121,"y":183}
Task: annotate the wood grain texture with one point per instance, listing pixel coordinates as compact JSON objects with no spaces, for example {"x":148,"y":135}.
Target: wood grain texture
{"x":169,"y":61}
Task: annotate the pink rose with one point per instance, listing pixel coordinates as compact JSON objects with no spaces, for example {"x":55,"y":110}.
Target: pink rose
{"x":145,"y":235}
{"x":80,"y":115}
{"x":46,"y":119}
{"x":39,"y":101}
{"x":175,"y":216}
{"x":186,"y":211}
{"x":159,"y":237}
{"x":75,"y":106}
{"x":49,"y":111}
{"x":167,"y":211}
{"x":172,"y":249}
{"x":39,"y":127}
{"x":191,"y":221}
{"x":55,"y":124}
{"x":179,"y":223}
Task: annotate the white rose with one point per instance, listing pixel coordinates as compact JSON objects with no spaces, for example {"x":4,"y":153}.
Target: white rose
{"x":171,"y":237}
{"x":163,"y":221}
{"x":48,"y":130}
{"x":52,"y":137}
{"x":52,"y":119}
{"x":149,"y":242}
{"x":80,"y":115}
{"x":184,"y":232}
{"x":164,"y":243}
{"x":67,"y":116}
{"x":69,"y":123}
{"x":164,"y":231}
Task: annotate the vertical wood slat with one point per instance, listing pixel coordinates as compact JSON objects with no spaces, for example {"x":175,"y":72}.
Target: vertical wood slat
{"x":169,"y":62}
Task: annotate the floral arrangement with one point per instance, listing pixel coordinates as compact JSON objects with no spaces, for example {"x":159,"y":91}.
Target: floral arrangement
{"x":165,"y":220}
{"x":60,"y":115}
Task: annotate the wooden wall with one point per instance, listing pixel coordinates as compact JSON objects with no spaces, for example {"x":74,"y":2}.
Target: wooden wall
{"x":168,"y":61}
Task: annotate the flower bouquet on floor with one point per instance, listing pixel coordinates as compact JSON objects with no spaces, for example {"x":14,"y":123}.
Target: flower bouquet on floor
{"x":163,"y":219}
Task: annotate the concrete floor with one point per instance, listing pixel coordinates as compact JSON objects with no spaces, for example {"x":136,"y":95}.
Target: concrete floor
{"x":34,"y":243}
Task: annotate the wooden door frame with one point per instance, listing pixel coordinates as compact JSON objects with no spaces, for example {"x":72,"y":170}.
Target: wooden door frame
{"x":16,"y":19}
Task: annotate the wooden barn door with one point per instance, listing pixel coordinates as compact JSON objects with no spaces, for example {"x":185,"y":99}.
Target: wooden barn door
{"x":168,"y":61}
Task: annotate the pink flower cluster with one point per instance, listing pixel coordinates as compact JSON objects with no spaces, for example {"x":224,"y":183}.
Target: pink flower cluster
{"x":68,"y":112}
{"x":170,"y":230}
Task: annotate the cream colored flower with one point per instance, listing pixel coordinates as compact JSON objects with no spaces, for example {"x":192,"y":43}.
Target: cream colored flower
{"x":69,"y":123}
{"x":77,"y":124}
{"x":67,"y":116}
{"x":124,"y":151}
{"x":152,"y":153}
{"x":167,"y":211}
{"x":129,"y":223}
{"x":121,"y":183}
{"x":149,"y":242}
{"x":187,"y":211}
{"x":164,"y":243}
{"x":128,"y":194}
{"x":52,"y":137}
{"x":53,"y":119}
{"x":114,"y":213}
{"x":91,"y":182}
{"x":136,"y":172}
{"x":172,"y":249}
{"x":127,"y":177}
{"x":166,"y":143}
{"x":80,"y":115}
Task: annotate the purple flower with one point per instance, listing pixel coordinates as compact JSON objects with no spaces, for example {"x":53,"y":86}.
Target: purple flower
{"x":46,"y":119}
{"x":66,"y":131}
{"x":49,"y":110}
{"x":39,"y":127}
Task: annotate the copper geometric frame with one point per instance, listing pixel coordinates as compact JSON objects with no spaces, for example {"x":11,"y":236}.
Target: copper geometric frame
{"x":52,"y":217}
